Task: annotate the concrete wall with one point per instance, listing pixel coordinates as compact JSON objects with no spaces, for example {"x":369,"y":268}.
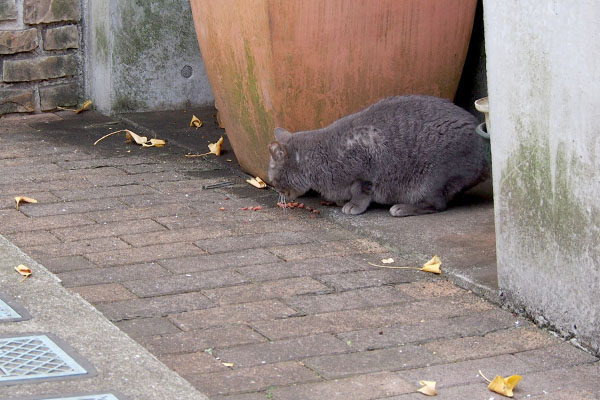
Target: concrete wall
{"x":543,"y":64}
{"x":143,"y":55}
{"x":40,"y":55}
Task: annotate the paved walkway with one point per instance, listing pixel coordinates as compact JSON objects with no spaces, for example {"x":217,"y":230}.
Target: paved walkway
{"x":265,"y":304}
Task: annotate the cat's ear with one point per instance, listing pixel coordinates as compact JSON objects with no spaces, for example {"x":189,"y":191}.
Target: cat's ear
{"x":277,"y":151}
{"x":282,"y":135}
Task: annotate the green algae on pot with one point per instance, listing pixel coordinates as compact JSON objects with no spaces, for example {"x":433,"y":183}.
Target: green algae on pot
{"x":304,"y":64}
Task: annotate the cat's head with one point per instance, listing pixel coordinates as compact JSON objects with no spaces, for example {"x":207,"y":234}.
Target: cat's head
{"x":284,"y":173}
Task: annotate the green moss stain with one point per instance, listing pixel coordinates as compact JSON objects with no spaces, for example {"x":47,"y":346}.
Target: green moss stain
{"x":545,"y":209}
{"x":61,"y":8}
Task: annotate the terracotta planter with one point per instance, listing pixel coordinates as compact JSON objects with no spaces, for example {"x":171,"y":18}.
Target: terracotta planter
{"x":302,"y":64}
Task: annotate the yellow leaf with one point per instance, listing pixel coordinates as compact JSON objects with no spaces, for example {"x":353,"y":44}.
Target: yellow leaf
{"x":257,"y":183}
{"x":215,"y":148}
{"x":23,"y":199}
{"x":195,"y":122}
{"x":387,"y":260}
{"x":503,"y":386}
{"x":134,"y":137}
{"x":23,"y":271}
{"x":428,"y":388}
{"x":433,"y":265}
{"x":228,"y":364}
{"x":84,"y":107}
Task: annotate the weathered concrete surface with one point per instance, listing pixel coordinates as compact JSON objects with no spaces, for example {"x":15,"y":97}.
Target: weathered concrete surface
{"x":272,"y":303}
{"x":143,"y":56}
{"x":544,"y":100}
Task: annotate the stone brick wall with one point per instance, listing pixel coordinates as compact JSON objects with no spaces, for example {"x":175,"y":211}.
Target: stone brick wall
{"x":40,"y":55}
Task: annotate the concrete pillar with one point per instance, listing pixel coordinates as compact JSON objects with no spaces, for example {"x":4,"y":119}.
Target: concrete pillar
{"x":543,"y":61}
{"x":143,"y":56}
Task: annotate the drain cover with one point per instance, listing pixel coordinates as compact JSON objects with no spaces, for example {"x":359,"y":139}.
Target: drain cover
{"x":11,"y":311}
{"x":38,"y":357}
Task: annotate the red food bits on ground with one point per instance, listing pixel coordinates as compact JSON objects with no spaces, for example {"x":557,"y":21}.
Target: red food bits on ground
{"x":222,"y":209}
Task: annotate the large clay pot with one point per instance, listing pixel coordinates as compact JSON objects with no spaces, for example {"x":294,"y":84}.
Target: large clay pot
{"x":302,"y":64}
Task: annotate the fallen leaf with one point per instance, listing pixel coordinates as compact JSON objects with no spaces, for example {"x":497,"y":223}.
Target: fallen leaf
{"x":81,"y":109}
{"x":134,"y":137}
{"x":195,"y":122}
{"x":215,"y":148}
{"x":428,"y":388}
{"x":23,"y":199}
{"x":257,"y":183}
{"x":433,"y":265}
{"x":503,"y":386}
{"x":23,"y":271}
{"x":227,"y":364}
{"x":387,"y":260}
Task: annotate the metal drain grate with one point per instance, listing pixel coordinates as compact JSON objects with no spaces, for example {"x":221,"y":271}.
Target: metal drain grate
{"x":11,"y":312}
{"x":36,"y":357}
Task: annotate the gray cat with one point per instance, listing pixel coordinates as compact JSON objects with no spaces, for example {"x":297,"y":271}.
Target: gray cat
{"x":414,"y":152}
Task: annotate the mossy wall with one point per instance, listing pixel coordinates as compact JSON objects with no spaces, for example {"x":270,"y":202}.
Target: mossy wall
{"x":544,"y":102}
{"x":147,"y":56}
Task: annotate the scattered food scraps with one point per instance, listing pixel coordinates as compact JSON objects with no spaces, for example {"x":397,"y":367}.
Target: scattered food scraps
{"x":24,"y":199}
{"x":503,"y":386}
{"x":195,"y":122}
{"x":215,"y":148}
{"x":81,"y":109}
{"x":327,"y":203}
{"x":387,"y":260}
{"x":24,"y":271}
{"x":428,"y":388}
{"x":131,"y":136}
{"x":222,"y":209}
{"x":257,"y":183}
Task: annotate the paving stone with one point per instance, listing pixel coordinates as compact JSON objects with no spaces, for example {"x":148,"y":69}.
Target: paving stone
{"x":251,"y":379}
{"x":495,"y":343}
{"x":20,"y":41}
{"x":118,"y":228}
{"x":174,"y":284}
{"x":104,"y":292}
{"x":40,"y":68}
{"x":291,"y":269}
{"x":398,"y":358}
{"x":466,"y":372}
{"x":144,"y":254}
{"x":562,"y":354}
{"x":17,"y":222}
{"x":147,"y":326}
{"x":360,"y":387}
{"x":85,"y":277}
{"x":78,"y":247}
{"x":567,"y":394}
{"x":46,"y":11}
{"x":103,"y":192}
{"x":474,"y":391}
{"x":201,"y":340}
{"x":231,"y":314}
{"x":369,"y":278}
{"x":267,"y":290}
{"x":244,"y":242}
{"x":430,"y":329}
{"x":150,"y":179}
{"x":269,"y":226}
{"x":9,"y":202}
{"x":64,"y":264}
{"x":61,"y":38}
{"x":424,"y":290}
{"x":94,"y":161}
{"x":326,"y":249}
{"x":284,"y":350}
{"x":61,"y":95}
{"x":193,"y":363}
{"x":207,"y":262}
{"x":8,"y":10}
{"x":583,"y":378}
{"x":260,"y":395}
{"x":71,"y":207}
{"x":361,"y":298}
{"x":153,"y":306}
{"x":16,"y":101}
{"x":180,"y":210}
{"x":181,"y":235}
{"x":229,"y":219}
{"x":33,"y":238}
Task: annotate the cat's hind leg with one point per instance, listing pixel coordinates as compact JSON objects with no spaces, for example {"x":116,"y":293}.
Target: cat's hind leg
{"x":361,"y":192}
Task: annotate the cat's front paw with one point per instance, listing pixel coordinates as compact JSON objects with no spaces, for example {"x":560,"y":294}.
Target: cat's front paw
{"x":353,"y":209}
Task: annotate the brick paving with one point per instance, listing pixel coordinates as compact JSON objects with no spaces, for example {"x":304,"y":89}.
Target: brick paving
{"x":267,"y":304}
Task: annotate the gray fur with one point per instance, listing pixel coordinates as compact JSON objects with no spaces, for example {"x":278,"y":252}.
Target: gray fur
{"x":413,"y":152}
